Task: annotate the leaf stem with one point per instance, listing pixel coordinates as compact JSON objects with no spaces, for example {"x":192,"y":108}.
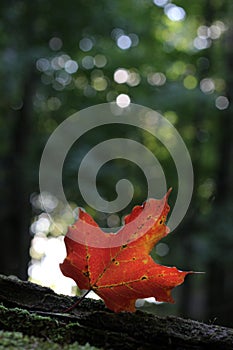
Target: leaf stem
{"x":77,"y":302}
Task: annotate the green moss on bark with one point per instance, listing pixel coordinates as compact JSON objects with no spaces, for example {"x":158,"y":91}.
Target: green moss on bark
{"x":41,"y":326}
{"x":18,"y":341}
{"x":39,"y":312}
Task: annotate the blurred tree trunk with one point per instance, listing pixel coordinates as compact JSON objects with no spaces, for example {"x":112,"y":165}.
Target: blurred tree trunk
{"x":217,"y":273}
{"x":15,"y":237}
{"x":225,"y":169}
{"x":15,"y":221}
{"x":191,"y":225}
{"x":219,"y":298}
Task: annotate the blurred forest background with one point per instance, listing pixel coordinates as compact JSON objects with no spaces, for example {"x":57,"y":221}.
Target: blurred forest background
{"x":58,"y":57}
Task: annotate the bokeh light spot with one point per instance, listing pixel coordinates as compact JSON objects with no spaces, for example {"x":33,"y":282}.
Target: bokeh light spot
{"x":44,"y":201}
{"x":63,"y":78}
{"x":162,"y":249}
{"x":100,"y":61}
{"x":207,"y":86}
{"x":171,"y":116}
{"x":123,"y":100}
{"x":134,"y":38}
{"x":113,"y":220}
{"x":88,"y":62}
{"x":190,"y":82}
{"x":215,"y":32}
{"x":71,"y":66}
{"x":62,"y":60}
{"x":86,"y":44}
{"x":160,"y":3}
{"x":53,"y":103}
{"x":202,"y":43}
{"x":116,"y":33}
{"x":55,"y":44}
{"x":121,"y":75}
{"x":220,"y":25}
{"x":41,"y":225}
{"x":99,"y":84}
{"x":42,"y":64}
{"x":203,"y":32}
{"x":157,"y":79}
{"x":124,"y":42}
{"x":55,"y":63}
{"x":133,"y":78}
{"x":47,"y":271}
{"x":175,"y":13}
{"x":222,"y":102}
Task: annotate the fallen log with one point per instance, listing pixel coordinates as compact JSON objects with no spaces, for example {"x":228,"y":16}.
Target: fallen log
{"x":38,"y":311}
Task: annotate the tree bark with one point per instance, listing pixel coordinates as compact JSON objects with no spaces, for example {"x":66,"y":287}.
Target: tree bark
{"x":38,"y":311}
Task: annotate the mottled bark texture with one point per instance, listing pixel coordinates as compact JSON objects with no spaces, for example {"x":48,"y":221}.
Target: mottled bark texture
{"x":38,"y":311}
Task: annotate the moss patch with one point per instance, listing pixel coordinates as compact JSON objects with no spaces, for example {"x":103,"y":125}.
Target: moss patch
{"x":18,"y":341}
{"x":19,"y":320}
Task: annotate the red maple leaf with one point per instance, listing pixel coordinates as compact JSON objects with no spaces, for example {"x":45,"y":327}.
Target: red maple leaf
{"x":118,"y":267}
